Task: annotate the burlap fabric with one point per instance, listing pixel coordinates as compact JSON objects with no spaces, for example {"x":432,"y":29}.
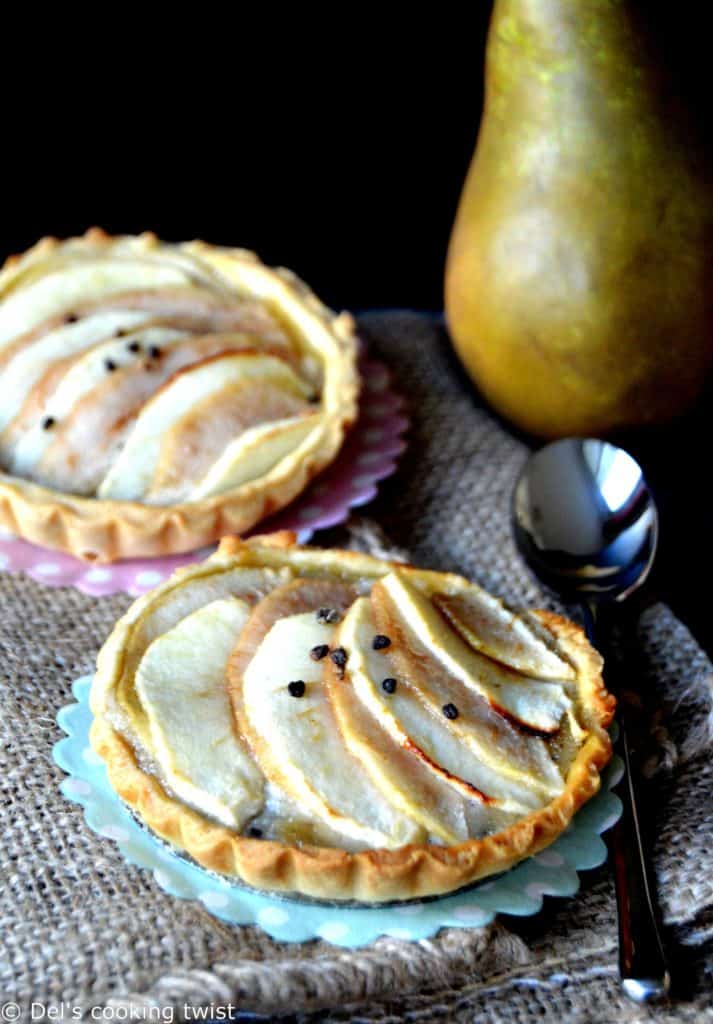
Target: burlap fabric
{"x":80,"y":925}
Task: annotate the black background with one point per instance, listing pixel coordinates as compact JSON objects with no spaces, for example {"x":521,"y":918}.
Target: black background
{"x":340,"y":153}
{"x":335,"y":144}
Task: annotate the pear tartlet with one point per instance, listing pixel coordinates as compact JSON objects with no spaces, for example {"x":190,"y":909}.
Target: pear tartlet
{"x":155,"y":397}
{"x":324,"y":723}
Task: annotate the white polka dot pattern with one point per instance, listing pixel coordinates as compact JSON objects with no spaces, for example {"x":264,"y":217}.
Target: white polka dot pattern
{"x":273,"y":917}
{"x":148,"y":578}
{"x":333,"y":931}
{"x":48,"y":568}
{"x":214,"y":899}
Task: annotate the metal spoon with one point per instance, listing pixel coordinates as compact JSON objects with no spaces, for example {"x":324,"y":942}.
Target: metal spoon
{"x":586,"y":523}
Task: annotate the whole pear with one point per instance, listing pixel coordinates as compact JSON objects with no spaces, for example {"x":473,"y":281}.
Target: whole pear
{"x":579,"y":284}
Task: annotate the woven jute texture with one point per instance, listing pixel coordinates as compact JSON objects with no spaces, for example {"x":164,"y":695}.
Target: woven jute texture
{"x":81,"y":926}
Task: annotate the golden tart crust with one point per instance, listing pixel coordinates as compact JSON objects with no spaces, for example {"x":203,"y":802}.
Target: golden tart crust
{"x":368,"y":875}
{"x":104,"y":529}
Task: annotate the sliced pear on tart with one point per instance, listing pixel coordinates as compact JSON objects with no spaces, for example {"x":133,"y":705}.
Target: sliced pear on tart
{"x":199,"y":310}
{"x":58,"y":291}
{"x":22,"y":368}
{"x":402,"y":779}
{"x":180,"y":682}
{"x":284,"y":712}
{"x":254,"y":426}
{"x":499,"y":685}
{"x":114,"y":691}
{"x":133,"y":473}
{"x":410,"y":756}
{"x":255,"y":453}
{"x":59,"y":397}
{"x":413,"y":724}
{"x":95,"y":405}
{"x":489,"y":627}
{"x":437,"y":666}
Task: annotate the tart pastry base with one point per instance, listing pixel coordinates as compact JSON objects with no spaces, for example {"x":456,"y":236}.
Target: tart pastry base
{"x":369,"y":876}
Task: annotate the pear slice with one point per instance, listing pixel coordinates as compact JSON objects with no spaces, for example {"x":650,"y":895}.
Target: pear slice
{"x":489,"y":627}
{"x":181,"y":683}
{"x":31,"y":302}
{"x":77,"y":453}
{"x":82,"y":377}
{"x":289,"y":597}
{"x":200,"y":310}
{"x":414,"y":726}
{"x":404,"y":748}
{"x":403,"y":780}
{"x":31,"y":361}
{"x":254,"y":454}
{"x":296,"y":740}
{"x":113,"y":691}
{"x":132,"y":474}
{"x":426,"y":654}
{"x":307,"y":757}
{"x":533,"y":704}
{"x":229,"y":427}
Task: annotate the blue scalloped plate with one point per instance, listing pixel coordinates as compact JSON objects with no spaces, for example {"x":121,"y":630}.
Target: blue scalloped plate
{"x":518,"y":891}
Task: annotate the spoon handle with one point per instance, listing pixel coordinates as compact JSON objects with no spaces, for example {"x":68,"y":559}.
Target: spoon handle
{"x":642,"y":961}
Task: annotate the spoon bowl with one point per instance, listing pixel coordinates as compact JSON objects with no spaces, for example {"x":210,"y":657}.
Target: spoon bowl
{"x":585,"y":519}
